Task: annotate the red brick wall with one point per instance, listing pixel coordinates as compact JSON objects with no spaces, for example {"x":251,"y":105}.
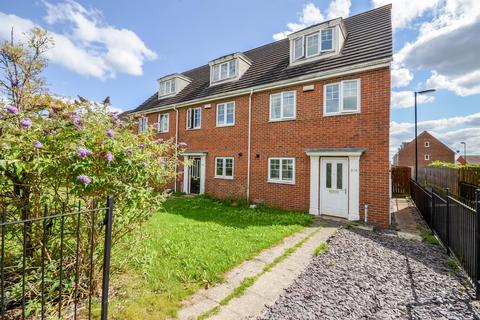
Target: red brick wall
{"x":437,"y":151}
{"x":368,"y":129}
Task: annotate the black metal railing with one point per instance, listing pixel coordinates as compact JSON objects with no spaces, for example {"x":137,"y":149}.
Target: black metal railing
{"x":455,"y":223}
{"x":51,"y":261}
{"x":467,"y":193}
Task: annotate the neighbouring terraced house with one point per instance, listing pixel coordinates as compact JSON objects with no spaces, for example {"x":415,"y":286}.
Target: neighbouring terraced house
{"x":301,"y":123}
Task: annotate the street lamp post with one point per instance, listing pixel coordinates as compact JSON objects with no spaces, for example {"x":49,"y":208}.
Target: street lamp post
{"x":464,"y":151}
{"x":416,"y":133}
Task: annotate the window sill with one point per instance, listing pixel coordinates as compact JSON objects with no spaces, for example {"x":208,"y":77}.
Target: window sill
{"x":282,"y":120}
{"x":224,"y":125}
{"x":162,"y":131}
{"x":280,"y":182}
{"x":223,"y":177}
{"x":340,"y":113}
{"x":193,"y":129}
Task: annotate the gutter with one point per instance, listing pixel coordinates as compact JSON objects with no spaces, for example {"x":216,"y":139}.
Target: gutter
{"x":249,"y":142}
{"x":372,"y":65}
{"x":176,"y":145}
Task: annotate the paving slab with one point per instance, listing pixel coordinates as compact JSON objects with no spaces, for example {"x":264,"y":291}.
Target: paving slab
{"x":268,"y":287}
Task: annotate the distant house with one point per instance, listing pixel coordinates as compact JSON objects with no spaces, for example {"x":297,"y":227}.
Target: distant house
{"x":471,"y":159}
{"x":429,"y":149}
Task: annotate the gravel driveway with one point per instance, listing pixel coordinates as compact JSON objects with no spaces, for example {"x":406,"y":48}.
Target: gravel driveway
{"x":366,"y":275}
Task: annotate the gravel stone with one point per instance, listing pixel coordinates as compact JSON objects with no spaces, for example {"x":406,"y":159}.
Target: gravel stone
{"x":369,"y":275}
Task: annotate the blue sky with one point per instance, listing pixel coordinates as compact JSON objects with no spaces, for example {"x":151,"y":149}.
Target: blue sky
{"x":119,"y":48}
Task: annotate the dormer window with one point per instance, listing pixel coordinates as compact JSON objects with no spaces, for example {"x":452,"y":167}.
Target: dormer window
{"x":228,"y":68}
{"x":317,"y":42}
{"x":172,"y":85}
{"x":167,"y":87}
{"x":225,"y":70}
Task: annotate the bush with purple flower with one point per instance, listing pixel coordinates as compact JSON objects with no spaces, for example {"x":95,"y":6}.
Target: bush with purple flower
{"x":26,"y":123}
{"x":84,"y":179}
{"x":110,"y":133}
{"x":38,"y":145}
{"x":12,"y":109}
{"x":82,"y":152}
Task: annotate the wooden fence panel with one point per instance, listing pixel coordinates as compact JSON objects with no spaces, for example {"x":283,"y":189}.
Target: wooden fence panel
{"x":470,"y":175}
{"x":401,"y":180}
{"x":440,"y":178}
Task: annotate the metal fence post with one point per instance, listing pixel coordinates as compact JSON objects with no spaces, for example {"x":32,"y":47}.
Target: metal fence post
{"x":447,"y":224}
{"x":432,"y":211}
{"x":477,"y":246}
{"x":106,"y":257}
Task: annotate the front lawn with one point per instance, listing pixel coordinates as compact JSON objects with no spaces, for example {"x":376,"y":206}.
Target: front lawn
{"x":190,"y":244}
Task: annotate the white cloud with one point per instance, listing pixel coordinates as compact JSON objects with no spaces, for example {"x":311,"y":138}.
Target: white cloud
{"x":311,"y":14}
{"x":406,"y":99}
{"x":405,"y":11}
{"x":86,"y":45}
{"x":448,"y":46}
{"x":401,"y":77}
{"x":449,"y":130}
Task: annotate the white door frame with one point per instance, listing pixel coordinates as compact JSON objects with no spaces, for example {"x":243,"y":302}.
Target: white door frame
{"x":324,"y":191}
{"x":186,"y":171}
{"x":353,"y":155}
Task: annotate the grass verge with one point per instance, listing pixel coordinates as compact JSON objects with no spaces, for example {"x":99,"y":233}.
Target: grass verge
{"x":190,"y":244}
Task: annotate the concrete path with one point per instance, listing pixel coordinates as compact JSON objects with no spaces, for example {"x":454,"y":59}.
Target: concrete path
{"x":406,"y":218}
{"x":268,"y":287}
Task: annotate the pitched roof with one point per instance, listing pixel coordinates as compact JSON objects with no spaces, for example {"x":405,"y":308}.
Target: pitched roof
{"x":369,"y":38}
{"x":471,"y":159}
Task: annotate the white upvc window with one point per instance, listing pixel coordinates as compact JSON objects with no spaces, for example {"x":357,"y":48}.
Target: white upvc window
{"x":283,"y":106}
{"x":313,"y":44}
{"x":142,"y":124}
{"x":341,"y":97}
{"x":427,"y":157}
{"x":326,"y":40}
{"x":226,"y":70}
{"x":224,"y":167}
{"x":225,"y":114}
{"x":163,"y":122}
{"x":167,"y":87}
{"x":427,"y":144}
{"x":298,"y":49}
{"x":194,"y":118}
{"x":281,"y":170}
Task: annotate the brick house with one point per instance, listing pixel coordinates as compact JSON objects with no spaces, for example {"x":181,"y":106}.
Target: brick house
{"x":471,"y":159}
{"x":430,"y":149}
{"x":300,"y":124}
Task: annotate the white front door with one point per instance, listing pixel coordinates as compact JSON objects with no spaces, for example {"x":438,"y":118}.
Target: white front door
{"x":334,"y":187}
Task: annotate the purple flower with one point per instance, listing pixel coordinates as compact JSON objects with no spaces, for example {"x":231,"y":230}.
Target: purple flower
{"x":159,"y":140}
{"x":129,"y":152}
{"x":109,"y":157}
{"x":11,"y":109}
{"x":152,"y":155}
{"x":84,"y":179}
{"x":141,"y":147}
{"x":82,"y":152}
{"x":110,"y":133}
{"x":38,"y":145}
{"x":26,"y":123}
{"x":77,"y":122}
{"x":182,"y":144}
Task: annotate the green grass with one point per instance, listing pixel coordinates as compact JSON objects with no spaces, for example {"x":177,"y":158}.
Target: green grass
{"x":427,"y":236}
{"x":321,"y":249}
{"x":189,"y":245}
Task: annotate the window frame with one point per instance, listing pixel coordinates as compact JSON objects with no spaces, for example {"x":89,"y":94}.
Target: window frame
{"x":280,"y":178}
{"x":295,"y":58}
{"x":167,"y":115}
{"x":142,"y":124}
{"x":427,"y":144}
{"x":282,"y":117}
{"x":225,"y":124}
{"x":341,"y":110}
{"x":164,"y":83}
{"x":189,"y":110}
{"x":219,"y":66}
{"x":319,"y":50}
{"x":427,"y":157}
{"x":224,"y":168}
{"x":320,"y":40}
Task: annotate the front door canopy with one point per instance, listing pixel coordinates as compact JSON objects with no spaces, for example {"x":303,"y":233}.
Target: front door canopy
{"x":335,"y":152}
